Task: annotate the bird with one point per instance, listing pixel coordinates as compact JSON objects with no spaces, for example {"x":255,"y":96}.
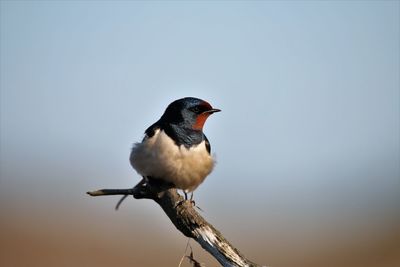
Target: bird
{"x":174,"y":149}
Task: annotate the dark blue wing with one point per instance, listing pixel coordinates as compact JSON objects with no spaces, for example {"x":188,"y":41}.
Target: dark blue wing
{"x":208,"y":145}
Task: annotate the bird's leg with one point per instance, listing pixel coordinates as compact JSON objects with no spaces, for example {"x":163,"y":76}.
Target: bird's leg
{"x":186,"y":198}
{"x":182,"y":201}
{"x":194,"y":202}
{"x":191,"y":200}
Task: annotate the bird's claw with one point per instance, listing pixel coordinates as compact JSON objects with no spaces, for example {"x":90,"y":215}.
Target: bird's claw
{"x":181,"y":202}
{"x":190,"y":201}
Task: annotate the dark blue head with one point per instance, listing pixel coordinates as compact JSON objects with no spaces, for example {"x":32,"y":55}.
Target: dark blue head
{"x":188,"y":112}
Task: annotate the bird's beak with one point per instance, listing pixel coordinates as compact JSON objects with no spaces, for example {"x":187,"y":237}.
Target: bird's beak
{"x":211,"y":111}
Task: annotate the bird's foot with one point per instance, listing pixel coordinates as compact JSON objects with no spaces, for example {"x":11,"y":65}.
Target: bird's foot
{"x":194,"y":202}
{"x":186,"y":200}
{"x":190,"y":200}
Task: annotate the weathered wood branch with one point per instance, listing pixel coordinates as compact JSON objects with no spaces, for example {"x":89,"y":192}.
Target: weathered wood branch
{"x":186,"y":219}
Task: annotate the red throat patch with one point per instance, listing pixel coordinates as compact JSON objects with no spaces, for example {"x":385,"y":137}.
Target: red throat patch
{"x":200,"y":120}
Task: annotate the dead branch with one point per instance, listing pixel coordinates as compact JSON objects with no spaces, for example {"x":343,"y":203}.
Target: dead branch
{"x":186,"y":219}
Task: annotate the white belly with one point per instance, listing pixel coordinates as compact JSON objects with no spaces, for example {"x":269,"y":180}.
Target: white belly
{"x":159,"y":157}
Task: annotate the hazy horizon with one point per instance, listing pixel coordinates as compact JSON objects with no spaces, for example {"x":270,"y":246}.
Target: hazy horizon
{"x":307,"y":143}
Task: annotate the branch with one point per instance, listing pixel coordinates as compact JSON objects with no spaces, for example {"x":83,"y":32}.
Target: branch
{"x":186,"y":219}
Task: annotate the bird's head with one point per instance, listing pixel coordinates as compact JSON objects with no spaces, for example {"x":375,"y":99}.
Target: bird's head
{"x":188,"y":112}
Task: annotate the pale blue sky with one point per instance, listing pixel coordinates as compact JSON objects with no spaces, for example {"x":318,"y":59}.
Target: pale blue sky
{"x":309,"y":93}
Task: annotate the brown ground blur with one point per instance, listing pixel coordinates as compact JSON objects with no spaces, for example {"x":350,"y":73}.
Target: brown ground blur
{"x":88,"y":236}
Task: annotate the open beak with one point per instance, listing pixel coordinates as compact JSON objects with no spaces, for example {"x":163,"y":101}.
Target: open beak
{"x":211,"y":111}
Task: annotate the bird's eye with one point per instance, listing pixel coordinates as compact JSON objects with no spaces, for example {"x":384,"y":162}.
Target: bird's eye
{"x":195,"y":109}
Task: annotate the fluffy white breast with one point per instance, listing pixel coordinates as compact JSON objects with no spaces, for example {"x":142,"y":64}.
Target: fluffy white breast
{"x":159,"y":157}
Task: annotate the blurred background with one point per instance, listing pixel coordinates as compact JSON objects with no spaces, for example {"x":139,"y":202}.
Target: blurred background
{"x":307,"y":144}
